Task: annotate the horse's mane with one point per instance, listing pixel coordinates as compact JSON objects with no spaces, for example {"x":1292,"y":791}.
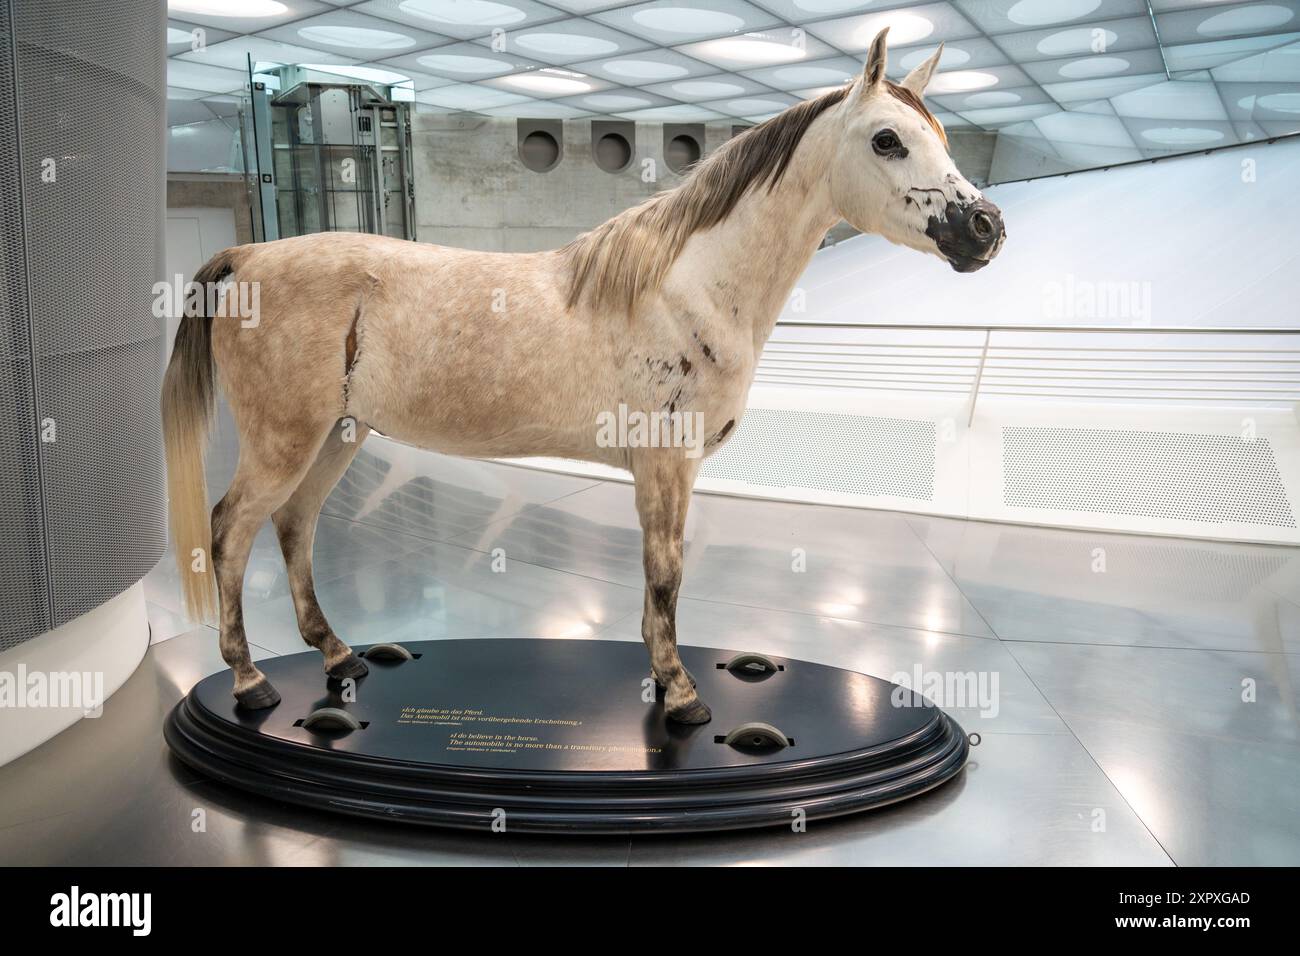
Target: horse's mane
{"x":621,"y":259}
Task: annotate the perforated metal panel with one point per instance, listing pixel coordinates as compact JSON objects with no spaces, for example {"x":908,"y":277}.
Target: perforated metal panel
{"x":83,"y":89}
{"x":777,"y":448}
{"x":1212,"y":479}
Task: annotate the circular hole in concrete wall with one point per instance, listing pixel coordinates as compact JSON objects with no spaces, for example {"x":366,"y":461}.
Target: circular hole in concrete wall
{"x":539,"y":151}
{"x":682,"y":151}
{"x":613,"y":152}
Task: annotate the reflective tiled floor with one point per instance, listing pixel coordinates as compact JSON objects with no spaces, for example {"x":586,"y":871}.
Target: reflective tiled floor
{"x":1138,"y":709}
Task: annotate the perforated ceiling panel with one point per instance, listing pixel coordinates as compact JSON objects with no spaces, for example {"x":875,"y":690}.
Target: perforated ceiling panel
{"x":777,"y":448}
{"x":1211,"y":479}
{"x":84,"y":105}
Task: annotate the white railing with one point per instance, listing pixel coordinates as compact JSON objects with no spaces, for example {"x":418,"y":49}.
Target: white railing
{"x":1251,"y":367}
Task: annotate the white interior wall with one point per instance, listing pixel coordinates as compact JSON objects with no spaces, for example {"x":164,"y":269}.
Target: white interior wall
{"x":1208,"y":240}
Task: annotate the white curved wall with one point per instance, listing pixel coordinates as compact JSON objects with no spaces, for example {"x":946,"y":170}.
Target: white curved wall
{"x":1209,"y":244}
{"x":51,"y":681}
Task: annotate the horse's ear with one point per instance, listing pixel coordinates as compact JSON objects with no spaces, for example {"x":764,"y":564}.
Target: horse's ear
{"x":920,"y":78}
{"x":873,"y":74}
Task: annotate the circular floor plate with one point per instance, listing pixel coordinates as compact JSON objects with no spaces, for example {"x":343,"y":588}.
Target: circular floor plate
{"x":558,"y":736}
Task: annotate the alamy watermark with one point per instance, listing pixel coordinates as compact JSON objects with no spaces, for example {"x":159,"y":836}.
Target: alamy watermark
{"x":75,"y":908}
{"x":968,"y":690}
{"x":1073,"y":298}
{"x":228,"y":299}
{"x":51,"y":690}
{"x":628,"y":428}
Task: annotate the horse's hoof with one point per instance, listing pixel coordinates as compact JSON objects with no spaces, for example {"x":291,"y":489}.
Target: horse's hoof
{"x":258,"y":697}
{"x":351,"y":666}
{"x":696,"y":712}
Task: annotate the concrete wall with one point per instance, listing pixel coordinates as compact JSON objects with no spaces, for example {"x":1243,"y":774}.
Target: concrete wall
{"x":473,"y":192}
{"x":213,"y":191}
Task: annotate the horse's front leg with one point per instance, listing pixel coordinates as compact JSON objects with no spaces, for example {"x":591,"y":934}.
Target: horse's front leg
{"x":663,"y":493}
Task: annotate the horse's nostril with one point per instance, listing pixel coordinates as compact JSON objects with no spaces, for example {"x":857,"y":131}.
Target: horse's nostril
{"x":982,"y":225}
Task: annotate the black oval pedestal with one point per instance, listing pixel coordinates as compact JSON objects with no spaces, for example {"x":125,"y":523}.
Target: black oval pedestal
{"x":555,"y":736}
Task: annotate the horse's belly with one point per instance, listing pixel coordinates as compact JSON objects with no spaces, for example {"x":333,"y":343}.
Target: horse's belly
{"x":478,"y":410}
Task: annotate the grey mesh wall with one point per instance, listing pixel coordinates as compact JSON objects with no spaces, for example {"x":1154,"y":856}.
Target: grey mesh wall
{"x":82,"y":505}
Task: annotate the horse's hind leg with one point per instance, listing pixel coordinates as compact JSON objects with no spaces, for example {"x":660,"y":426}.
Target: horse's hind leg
{"x":663,"y":493}
{"x":272,"y":463}
{"x":295,"y":524}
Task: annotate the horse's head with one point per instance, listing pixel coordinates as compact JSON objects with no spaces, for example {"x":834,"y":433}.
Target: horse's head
{"x":892,"y":175}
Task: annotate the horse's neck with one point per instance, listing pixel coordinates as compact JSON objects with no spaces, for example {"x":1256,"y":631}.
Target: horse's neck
{"x":757,"y":254}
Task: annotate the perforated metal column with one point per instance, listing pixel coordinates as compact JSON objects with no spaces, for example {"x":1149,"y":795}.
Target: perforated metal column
{"x":82,"y":506}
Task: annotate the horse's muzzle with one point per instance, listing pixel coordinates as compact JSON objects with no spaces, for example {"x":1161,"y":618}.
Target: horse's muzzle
{"x":968,"y":236}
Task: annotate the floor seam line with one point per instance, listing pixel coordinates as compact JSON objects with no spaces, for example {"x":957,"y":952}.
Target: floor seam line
{"x":1114,"y":786}
{"x":951,"y":579}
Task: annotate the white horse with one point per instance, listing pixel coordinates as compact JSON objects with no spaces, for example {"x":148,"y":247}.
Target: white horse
{"x":660,"y":312}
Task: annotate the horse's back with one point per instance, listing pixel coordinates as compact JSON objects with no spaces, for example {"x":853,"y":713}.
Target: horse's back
{"x":464,"y":351}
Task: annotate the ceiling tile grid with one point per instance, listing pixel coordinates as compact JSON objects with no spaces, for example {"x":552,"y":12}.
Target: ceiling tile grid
{"x":1088,"y":81}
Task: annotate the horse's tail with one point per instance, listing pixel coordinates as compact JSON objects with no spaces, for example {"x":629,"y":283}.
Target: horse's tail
{"x":188,"y":397}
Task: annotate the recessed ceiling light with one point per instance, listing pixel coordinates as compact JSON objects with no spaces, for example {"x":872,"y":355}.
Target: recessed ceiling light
{"x":961,"y":81}
{"x":469,"y":96}
{"x":992,"y":98}
{"x":1276,"y":102}
{"x":1078,"y":40}
{"x":455,"y":63}
{"x":755,"y":107}
{"x":614,"y":101}
{"x":831,"y":6}
{"x":1245,"y":20}
{"x":1182,"y":136}
{"x":685,"y":20}
{"x":367,"y":73}
{"x":356,"y":37}
{"x":1094,"y":66}
{"x":707,"y":89}
{"x":904,"y":28}
{"x":565,"y":44}
{"x":752,"y":48}
{"x":549,"y":81}
{"x":952,"y":56}
{"x":1039,"y":13}
{"x":1084,"y":129}
{"x":645,"y":69}
{"x":465,"y":13}
{"x":469,"y":65}
{"x":811,"y":75}
{"x":681,"y":112}
{"x":818,"y":91}
{"x":228,"y":8}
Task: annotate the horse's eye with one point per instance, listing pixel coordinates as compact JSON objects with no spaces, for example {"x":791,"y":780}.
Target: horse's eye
{"x":886,"y":143}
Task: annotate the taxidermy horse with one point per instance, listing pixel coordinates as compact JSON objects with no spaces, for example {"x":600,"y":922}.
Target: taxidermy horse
{"x":662,"y":310}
